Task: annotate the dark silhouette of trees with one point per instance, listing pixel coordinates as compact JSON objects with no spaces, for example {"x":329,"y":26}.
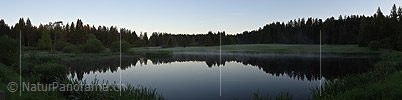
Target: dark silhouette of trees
{"x":45,"y":42}
{"x":353,"y":29}
{"x":4,"y":28}
{"x":116,"y":46}
{"x":93,"y":45}
{"x":9,"y":51}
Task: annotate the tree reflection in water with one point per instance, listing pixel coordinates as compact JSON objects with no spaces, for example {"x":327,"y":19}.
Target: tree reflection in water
{"x":297,"y":66}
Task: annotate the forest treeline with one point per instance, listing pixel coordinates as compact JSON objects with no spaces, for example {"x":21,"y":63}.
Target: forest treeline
{"x":353,"y":29}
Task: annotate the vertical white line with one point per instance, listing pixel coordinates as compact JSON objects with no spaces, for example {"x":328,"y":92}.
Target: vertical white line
{"x":320,"y":65}
{"x":20,"y":61}
{"x":120,"y":64}
{"x":220,"y":67}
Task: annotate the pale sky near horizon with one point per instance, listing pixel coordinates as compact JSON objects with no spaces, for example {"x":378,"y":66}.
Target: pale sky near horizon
{"x":185,"y":16}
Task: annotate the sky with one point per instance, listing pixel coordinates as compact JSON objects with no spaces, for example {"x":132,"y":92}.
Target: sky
{"x":184,"y":16}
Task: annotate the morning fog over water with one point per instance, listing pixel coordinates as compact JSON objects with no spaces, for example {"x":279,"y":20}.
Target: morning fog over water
{"x":193,"y":75}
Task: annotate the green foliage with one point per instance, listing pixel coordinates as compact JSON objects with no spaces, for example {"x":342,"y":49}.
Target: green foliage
{"x":50,"y":72}
{"x":281,"y":96}
{"x":399,"y":40}
{"x":60,"y":45}
{"x":9,"y":50}
{"x":115,"y":47}
{"x":8,"y":75}
{"x":28,"y":48}
{"x":70,"y":49}
{"x":45,"y":68}
{"x":93,"y":45}
{"x":128,"y":92}
{"x":36,"y":58}
{"x":374,"y":45}
{"x":366,"y":86}
{"x":45,"y":42}
{"x":383,"y":82}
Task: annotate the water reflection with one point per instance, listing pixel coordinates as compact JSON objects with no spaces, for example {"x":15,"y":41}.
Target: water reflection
{"x":294,"y":66}
{"x":80,"y":67}
{"x":196,"y":75}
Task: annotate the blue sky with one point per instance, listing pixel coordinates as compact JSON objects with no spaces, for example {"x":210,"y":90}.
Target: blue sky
{"x":184,"y":16}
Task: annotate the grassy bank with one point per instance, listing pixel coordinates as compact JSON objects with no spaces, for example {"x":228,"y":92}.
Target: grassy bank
{"x":280,"y":96}
{"x":8,"y":75}
{"x":246,"y":48}
{"x":145,"y":52}
{"x":382,"y":82}
{"x":47,"y":69}
{"x":267,"y":48}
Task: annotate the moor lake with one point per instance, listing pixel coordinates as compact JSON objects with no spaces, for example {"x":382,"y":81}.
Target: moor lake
{"x":200,"y":76}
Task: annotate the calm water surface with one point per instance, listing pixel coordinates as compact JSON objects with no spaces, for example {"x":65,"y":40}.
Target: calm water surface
{"x":197,"y":76}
